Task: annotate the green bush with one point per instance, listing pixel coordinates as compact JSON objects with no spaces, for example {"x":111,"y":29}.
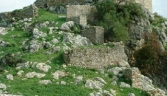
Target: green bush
{"x":115,"y":18}
{"x":10,"y":60}
{"x":149,"y":56}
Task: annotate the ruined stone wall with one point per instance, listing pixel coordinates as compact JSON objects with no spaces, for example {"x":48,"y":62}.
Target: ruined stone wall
{"x":95,"y":57}
{"x":30,"y":12}
{"x":75,"y":11}
{"x":47,"y":3}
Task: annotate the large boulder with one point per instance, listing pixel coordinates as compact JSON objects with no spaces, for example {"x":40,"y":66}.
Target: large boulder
{"x":67,"y":26}
{"x":76,"y":40}
{"x":142,"y":82}
{"x":3,"y":31}
{"x":33,"y":46}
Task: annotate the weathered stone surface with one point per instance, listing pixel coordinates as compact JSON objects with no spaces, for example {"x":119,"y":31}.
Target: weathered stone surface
{"x":34,"y":46}
{"x":3,"y":43}
{"x":93,"y":84}
{"x":55,"y":41}
{"x":95,"y":57}
{"x":37,"y":34}
{"x":76,"y":40}
{"x":75,"y":11}
{"x":107,"y":93}
{"x":67,"y":26}
{"x":45,"y":82}
{"x":3,"y":31}
{"x":20,"y":73}
{"x":115,"y":70}
{"x":137,"y":32}
{"x":96,"y":94}
{"x":101,"y":80}
{"x":9,"y":77}
{"x":94,"y":33}
{"x":43,"y":67}
{"x":58,"y":74}
{"x":113,"y":92}
{"x":63,"y":83}
{"x":78,"y":79}
{"x":122,"y":84}
{"x":34,"y":74}
{"x":3,"y":86}
{"x":131,"y":94}
{"x":123,"y":63}
{"x":142,"y":82}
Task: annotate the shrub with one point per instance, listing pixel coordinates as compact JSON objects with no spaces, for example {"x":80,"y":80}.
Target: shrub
{"x":115,"y":17}
{"x":148,"y":57}
{"x":10,"y":60}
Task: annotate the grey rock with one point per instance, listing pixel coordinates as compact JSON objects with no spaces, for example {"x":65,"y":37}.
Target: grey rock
{"x":93,"y":84}
{"x":20,"y":73}
{"x":3,"y":43}
{"x":78,"y":79}
{"x":37,"y":34}
{"x":166,"y":23}
{"x":55,"y":41}
{"x":3,"y":86}
{"x":114,"y":83}
{"x":131,"y":94}
{"x":76,"y":40}
{"x":9,"y":77}
{"x":67,"y":26}
{"x":123,"y":63}
{"x":45,"y":82}
{"x":96,"y":94}
{"x":107,"y":93}
{"x":113,"y":92}
{"x":58,"y":74}
{"x":101,"y":80}
{"x":34,"y":46}
{"x":47,"y":45}
{"x":63,"y":83}
{"x":43,"y":67}
{"x":3,"y":31}
{"x":34,"y":74}
{"x":115,"y":70}
{"x":122,"y":84}
{"x":24,"y":65}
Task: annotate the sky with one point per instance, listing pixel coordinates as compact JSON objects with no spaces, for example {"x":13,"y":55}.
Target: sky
{"x":5,"y":6}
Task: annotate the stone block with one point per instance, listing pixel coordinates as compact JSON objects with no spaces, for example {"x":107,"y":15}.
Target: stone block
{"x":95,"y":34}
{"x":80,"y":13}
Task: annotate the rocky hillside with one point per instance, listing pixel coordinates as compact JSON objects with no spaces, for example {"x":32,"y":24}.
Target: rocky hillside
{"x":45,"y":55}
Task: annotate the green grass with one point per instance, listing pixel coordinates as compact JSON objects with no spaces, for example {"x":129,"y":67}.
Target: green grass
{"x":48,"y":16}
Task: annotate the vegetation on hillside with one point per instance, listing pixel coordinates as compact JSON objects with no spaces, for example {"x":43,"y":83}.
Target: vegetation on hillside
{"x":15,"y":53}
{"x":116,"y":17}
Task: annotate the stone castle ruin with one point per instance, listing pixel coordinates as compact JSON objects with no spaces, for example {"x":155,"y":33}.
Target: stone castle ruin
{"x":48,"y":3}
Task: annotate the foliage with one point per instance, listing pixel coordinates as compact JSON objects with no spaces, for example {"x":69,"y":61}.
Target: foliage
{"x":115,"y":17}
{"x":148,"y":57}
{"x":10,"y":60}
